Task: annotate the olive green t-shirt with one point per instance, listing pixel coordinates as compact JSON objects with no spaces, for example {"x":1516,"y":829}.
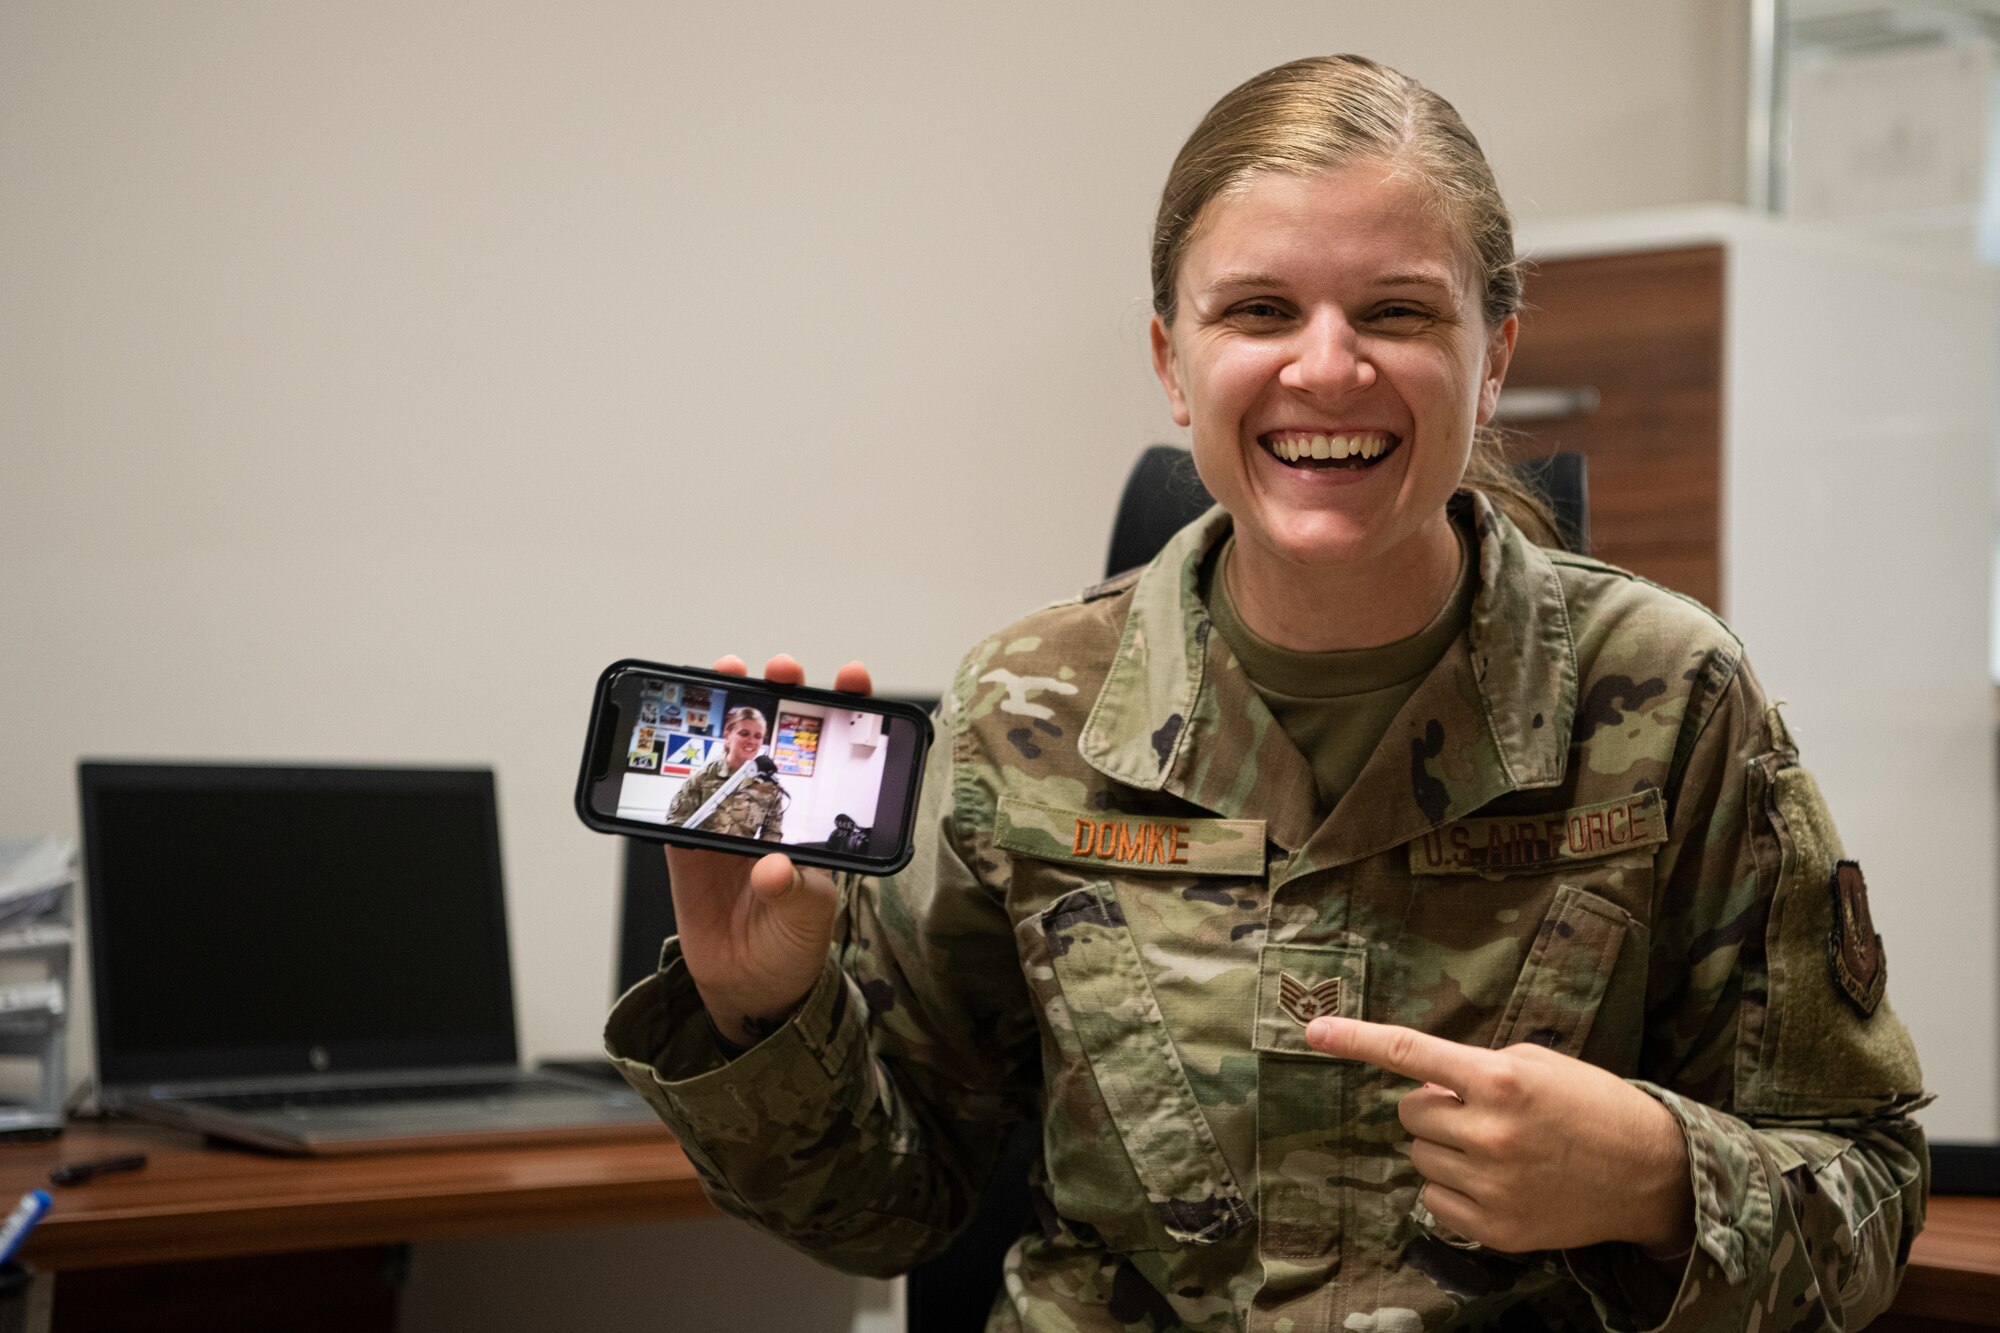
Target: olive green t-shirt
{"x":1336,"y":706}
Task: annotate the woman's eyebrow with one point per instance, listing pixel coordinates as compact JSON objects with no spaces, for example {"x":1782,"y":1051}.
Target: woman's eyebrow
{"x":1229,"y":282}
{"x":1415,"y":278}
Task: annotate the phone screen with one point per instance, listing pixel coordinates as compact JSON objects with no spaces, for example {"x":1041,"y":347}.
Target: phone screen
{"x":768,"y":767}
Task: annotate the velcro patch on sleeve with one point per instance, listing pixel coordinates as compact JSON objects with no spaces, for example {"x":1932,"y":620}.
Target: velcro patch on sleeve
{"x":1535,"y":842}
{"x":1107,"y":839}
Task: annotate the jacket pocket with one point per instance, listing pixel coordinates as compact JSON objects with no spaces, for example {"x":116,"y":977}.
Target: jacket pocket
{"x":1121,"y":1112}
{"x":1556,"y":999}
{"x":1297,"y":983}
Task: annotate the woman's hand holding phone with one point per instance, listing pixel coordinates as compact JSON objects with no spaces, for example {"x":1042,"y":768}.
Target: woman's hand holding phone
{"x":754,"y":933}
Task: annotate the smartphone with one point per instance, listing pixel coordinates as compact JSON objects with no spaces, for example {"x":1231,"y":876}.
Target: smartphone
{"x":730,"y":763}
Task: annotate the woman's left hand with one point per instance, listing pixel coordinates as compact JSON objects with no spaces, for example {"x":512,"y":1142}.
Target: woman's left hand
{"x":1526,"y":1149}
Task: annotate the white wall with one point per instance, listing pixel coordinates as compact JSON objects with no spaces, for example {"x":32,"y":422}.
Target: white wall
{"x":360,"y":363}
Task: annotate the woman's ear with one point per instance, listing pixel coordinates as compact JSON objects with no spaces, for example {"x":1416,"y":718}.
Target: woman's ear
{"x":1499,"y":352}
{"x":1166,"y":364}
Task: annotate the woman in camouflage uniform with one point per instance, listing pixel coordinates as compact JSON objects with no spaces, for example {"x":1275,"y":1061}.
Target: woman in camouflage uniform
{"x":1394,"y":923}
{"x":756,"y":808}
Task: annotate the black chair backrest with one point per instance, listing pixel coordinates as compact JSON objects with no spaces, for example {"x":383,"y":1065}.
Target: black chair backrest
{"x":1164,"y":495}
{"x":646,"y":913}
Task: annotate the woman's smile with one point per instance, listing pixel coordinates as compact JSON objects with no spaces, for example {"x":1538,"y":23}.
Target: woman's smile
{"x":1334,"y":449}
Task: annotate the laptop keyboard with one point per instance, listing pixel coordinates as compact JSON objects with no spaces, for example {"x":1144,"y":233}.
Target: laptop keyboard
{"x":377,"y":1096}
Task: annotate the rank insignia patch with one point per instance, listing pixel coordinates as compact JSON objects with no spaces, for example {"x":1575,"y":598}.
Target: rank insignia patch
{"x":1853,"y":947}
{"x":1305,"y":1003}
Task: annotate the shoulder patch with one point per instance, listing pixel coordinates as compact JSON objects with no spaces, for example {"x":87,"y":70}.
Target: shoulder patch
{"x":1854,"y":949}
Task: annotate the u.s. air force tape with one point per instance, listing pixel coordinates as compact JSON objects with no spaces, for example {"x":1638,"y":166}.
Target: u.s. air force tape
{"x":1131,"y":842}
{"x":1529,"y":842}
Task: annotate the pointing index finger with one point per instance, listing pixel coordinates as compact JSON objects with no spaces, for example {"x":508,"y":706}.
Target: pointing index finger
{"x":1399,"y":1050}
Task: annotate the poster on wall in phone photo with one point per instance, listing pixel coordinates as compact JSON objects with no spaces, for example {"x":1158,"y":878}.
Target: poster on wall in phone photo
{"x":644,"y":752}
{"x":796,"y":746}
{"x":685,"y":754}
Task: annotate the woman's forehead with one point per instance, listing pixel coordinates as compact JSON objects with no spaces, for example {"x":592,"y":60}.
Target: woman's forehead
{"x":1366,"y":220}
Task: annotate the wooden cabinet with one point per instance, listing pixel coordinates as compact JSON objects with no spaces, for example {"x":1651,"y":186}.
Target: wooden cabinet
{"x":1638,"y":338}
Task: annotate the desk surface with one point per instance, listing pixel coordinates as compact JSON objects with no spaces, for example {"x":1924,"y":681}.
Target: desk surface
{"x":195,"y":1202}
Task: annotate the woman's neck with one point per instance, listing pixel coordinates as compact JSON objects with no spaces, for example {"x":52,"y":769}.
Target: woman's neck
{"x":1319,"y":609}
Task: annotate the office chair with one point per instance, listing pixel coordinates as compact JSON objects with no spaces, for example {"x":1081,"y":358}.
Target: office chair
{"x":953,"y":1292}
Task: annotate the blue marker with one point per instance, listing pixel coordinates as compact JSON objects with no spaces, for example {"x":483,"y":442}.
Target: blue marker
{"x":21,"y":1221}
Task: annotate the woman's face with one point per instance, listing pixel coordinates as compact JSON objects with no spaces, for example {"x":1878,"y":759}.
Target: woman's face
{"x":742,"y":741}
{"x":1323,"y":315}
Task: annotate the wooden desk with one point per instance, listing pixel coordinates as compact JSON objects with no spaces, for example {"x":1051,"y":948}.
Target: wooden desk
{"x":194,"y":1203}
{"x":188,"y":1225}
{"x":1954,"y":1275}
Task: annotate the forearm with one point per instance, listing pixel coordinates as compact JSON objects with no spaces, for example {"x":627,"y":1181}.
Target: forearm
{"x":1801,"y":1225}
{"x":807,"y":1135}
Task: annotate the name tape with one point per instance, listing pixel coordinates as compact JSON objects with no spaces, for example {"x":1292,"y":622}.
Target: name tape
{"x":1527,"y":842}
{"x":1130,"y":842}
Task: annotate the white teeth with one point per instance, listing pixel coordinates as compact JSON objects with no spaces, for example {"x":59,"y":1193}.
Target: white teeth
{"x":1296,"y":448}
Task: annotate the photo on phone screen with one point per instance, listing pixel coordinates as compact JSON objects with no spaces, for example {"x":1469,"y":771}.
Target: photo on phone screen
{"x":713,"y":760}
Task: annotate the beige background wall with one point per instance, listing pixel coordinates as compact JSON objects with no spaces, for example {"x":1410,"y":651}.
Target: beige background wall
{"x":372,"y":373}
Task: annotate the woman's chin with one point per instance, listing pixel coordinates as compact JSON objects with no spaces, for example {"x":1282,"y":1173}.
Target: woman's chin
{"x":1321,"y":540}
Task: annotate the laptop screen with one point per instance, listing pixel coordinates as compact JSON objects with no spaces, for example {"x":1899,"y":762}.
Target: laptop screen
{"x":252,"y":921}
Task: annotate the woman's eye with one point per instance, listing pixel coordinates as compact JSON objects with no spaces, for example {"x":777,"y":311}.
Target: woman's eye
{"x":1260,"y":310}
{"x":1396,"y":314}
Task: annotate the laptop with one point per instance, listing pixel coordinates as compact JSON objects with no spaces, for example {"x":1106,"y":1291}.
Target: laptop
{"x":314,"y":961}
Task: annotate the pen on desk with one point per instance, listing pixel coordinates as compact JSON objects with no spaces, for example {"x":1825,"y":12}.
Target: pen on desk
{"x":21,"y":1221}
{"x":75,"y":1173}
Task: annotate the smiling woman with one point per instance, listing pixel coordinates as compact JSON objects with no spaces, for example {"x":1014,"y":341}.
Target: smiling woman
{"x":1472,"y":949}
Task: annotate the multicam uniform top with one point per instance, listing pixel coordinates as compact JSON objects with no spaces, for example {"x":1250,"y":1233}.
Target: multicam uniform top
{"x":754,"y":810}
{"x":1587,"y":829}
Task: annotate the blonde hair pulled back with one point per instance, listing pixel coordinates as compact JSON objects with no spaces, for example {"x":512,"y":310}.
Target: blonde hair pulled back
{"x":744,"y":714}
{"x":1326,"y":112}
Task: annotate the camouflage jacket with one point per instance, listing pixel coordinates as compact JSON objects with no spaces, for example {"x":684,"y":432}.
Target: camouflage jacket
{"x":1587,"y":829}
{"x":754,"y":810}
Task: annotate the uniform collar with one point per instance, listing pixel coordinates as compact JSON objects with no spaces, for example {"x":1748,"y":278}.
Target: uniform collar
{"x":1177,"y":714}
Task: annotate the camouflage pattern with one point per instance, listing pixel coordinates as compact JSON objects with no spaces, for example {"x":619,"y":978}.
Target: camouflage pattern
{"x":754,"y":810}
{"x":1202,"y":1167}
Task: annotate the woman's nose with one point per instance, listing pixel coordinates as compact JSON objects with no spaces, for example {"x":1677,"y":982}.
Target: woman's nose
{"x":1327,"y":358}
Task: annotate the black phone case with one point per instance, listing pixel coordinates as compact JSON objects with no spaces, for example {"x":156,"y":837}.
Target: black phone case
{"x":594,"y":749}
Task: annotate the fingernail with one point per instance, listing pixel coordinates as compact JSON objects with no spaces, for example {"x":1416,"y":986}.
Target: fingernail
{"x":1320,"y":1031}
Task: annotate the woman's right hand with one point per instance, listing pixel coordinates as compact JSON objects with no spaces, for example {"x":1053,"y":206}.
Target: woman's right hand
{"x":755,"y":934}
